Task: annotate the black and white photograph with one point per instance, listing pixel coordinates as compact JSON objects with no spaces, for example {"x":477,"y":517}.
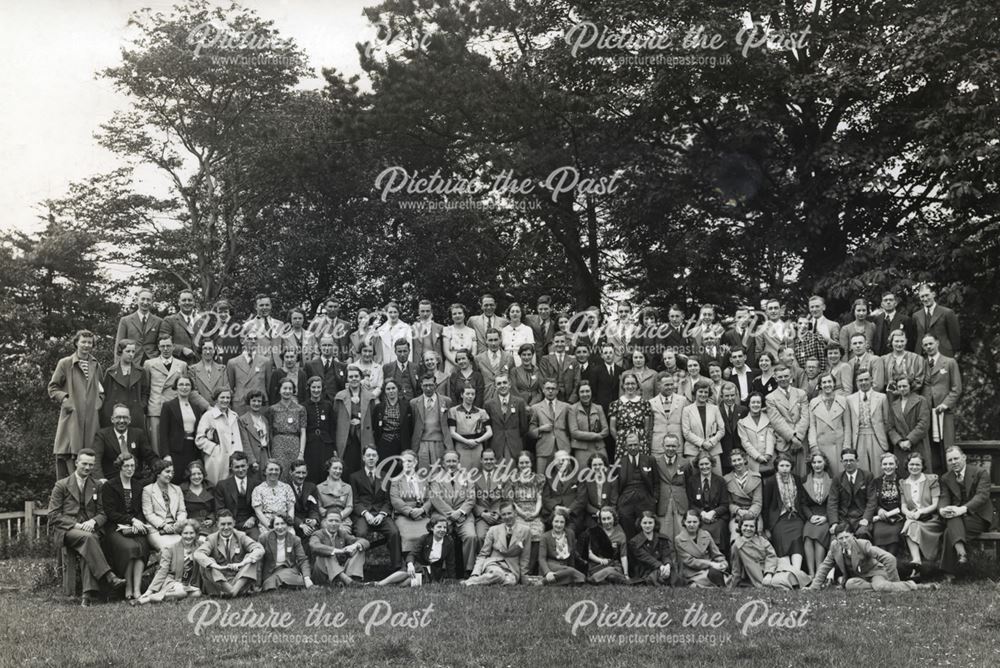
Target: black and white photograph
{"x":500,"y":333}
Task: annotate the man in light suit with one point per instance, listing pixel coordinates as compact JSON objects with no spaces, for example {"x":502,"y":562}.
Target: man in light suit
{"x":163,"y":372}
{"x":774,"y":333}
{"x":331,"y":324}
{"x":452,"y":498}
{"x":506,"y":555}
{"x":876,"y":424}
{"x":229,"y":559}
{"x":938,"y":320}
{"x":910,"y":419}
{"x":181,"y":328}
{"x":788,"y":411}
{"x":248,"y":371}
{"x":965,"y":506}
{"x":338,"y":556}
{"x":489,"y":491}
{"x":672,"y":501}
{"x":827,"y":329}
{"x":487,"y":321}
{"x":703,"y":435}
{"x":509,"y":416}
{"x":76,"y":517}
{"x":865,"y":567}
{"x":427,"y":334}
{"x":329,"y":368}
{"x":267,"y":330}
{"x":493,"y":362}
{"x":942,"y":387}
{"x":898,"y":363}
{"x":890,"y":320}
{"x":207,"y":376}
{"x":431,"y":435}
{"x":560,"y":366}
{"x":542,"y":324}
{"x":143,"y":327}
{"x":547,"y":425}
{"x":667,"y":408}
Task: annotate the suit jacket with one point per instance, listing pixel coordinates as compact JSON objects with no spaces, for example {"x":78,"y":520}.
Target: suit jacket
{"x":828,"y":329}
{"x":912,"y":424}
{"x":213,"y":549}
{"x":771,"y":336}
{"x":774,"y":507}
{"x":731,"y":438}
{"x":68,"y":505}
{"x":510,"y":428}
{"x":546,"y":443}
{"x":155,"y":508}
{"x":885,"y":372}
{"x":295,"y":555}
{"x":881,"y":344}
{"x":334,"y":380}
{"x":604,"y":385}
{"x":457,"y":383}
{"x":256,"y":450}
{"x":306,"y":503}
{"x":490,"y":371}
{"x":207,"y":382}
{"x":789,"y":416}
{"x":305,"y":342}
{"x":171,"y":568}
{"x":732,"y":339}
{"x":718,"y":495}
{"x":226,"y":497}
{"x":943,"y":382}
{"x":638,"y":481}
{"x":513,"y":555}
{"x":428,"y":336}
{"x":866,"y":563}
{"x":544,"y":331}
{"x":478,"y":323}
{"x":172,"y":425}
{"x":268,"y":339}
{"x":274,"y":385}
{"x":560,"y":492}
{"x":107,"y":447}
{"x":146,"y":337}
{"x":672,"y":479}
{"x":851,"y":502}
{"x":696,"y":439}
{"x":243,"y":377}
{"x":854,"y":327}
{"x":973,"y":492}
{"x":343,"y":420}
{"x":339,"y":329}
{"x":592,"y":499}
{"x":182,"y":335}
{"x":441,"y":569}
{"x":417,"y":413}
{"x":368,"y":498}
{"x":392,"y":370}
{"x":131,"y":390}
{"x":943,"y":324}
{"x":564,"y":374}
{"x":447,"y":496}
{"x":161,"y":382}
{"x":880,"y":417}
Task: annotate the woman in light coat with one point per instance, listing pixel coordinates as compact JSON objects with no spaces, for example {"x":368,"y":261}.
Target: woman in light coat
{"x":219,"y":436}
{"x":757,"y":436}
{"x":829,"y":423}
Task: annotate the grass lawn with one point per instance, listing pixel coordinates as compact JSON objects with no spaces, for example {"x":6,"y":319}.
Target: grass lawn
{"x":520,"y":626}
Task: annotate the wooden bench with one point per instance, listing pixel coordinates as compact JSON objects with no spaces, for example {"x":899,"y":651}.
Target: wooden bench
{"x":70,"y":565}
{"x":991,"y":541}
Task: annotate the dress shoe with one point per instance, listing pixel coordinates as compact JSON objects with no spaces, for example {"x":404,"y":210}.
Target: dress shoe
{"x":86,"y":601}
{"x":963,"y":560}
{"x":114,"y":581}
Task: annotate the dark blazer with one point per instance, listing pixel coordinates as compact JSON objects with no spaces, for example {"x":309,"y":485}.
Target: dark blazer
{"x":731,"y":437}
{"x":851,"y":502}
{"x":456,"y":383}
{"x":226,"y":497}
{"x":544,"y":332}
{"x":771,"y":511}
{"x":644,"y":478}
{"x":973,"y":493}
{"x":648,"y":557}
{"x":405,"y":421}
{"x":295,"y":555}
{"x":368,"y":499}
{"x":733,"y":339}
{"x":277,"y":376}
{"x":306,"y":503}
{"x":589,"y":502}
{"x":172,"y":425}
{"x":107,"y":449}
{"x":562,"y":493}
{"x":509,"y":429}
{"x":146,"y":338}
{"x":421,"y":556}
{"x":113,"y":498}
{"x":392,"y":370}
{"x":718,"y":495}
{"x":943,"y":324}
{"x":911,"y":425}
{"x":604,"y":385}
{"x":334,"y":380}
{"x":131,"y":390}
{"x":881,"y":344}
{"x":182,"y":337}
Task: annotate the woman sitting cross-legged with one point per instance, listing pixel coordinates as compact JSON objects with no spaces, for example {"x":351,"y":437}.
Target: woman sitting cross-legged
{"x":607,"y":550}
{"x":653,"y":553}
{"x":756,"y":564}
{"x":178,"y":575}
{"x":432,"y":561}
{"x":285,"y":563}
{"x":557,"y":553}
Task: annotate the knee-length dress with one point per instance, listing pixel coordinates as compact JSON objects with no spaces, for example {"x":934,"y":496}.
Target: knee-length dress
{"x":817,"y":491}
{"x":631,"y":416}
{"x":885,"y":534}
{"x":287,"y":422}
{"x":786,"y":516}
{"x":406,"y":495}
{"x":927,"y":531}
{"x":320,"y":438}
{"x":525,"y":495}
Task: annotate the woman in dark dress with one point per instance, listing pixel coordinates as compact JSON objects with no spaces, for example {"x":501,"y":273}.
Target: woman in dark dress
{"x":764,"y":382}
{"x":607,"y":550}
{"x":816,"y":531}
{"x":557,"y":554}
{"x":320,"y":434}
{"x":888,"y":520}
{"x":392,"y":425}
{"x":125,"y":534}
{"x":784,"y":511}
{"x":199,"y":499}
{"x":432,"y":560}
{"x":353,"y":407}
{"x":652,"y":553}
{"x":125,"y":383}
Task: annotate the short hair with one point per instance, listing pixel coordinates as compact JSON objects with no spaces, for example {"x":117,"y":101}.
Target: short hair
{"x":160,"y":466}
{"x":425,"y":302}
{"x":739,"y":451}
{"x":309,"y":382}
{"x":817,"y":298}
{"x":121,"y":459}
{"x":497,"y":377}
{"x":736,"y":349}
{"x":83,"y":334}
{"x":431,"y":377}
{"x":703,"y":384}
{"x":461,"y":307}
{"x":664,"y":375}
{"x":889,"y":454}
{"x":779,"y":368}
{"x":769,"y":356}
{"x":120,"y":346}
{"x":400,"y":342}
{"x":224,"y":512}
{"x":643,"y":515}
{"x":260,"y":295}
{"x":526,"y":347}
{"x":87,"y":451}
{"x":121,"y":405}
{"x":281,"y":468}
{"x":180,"y":378}
{"x":388,"y":382}
{"x":295,"y":309}
{"x":196,"y":464}
{"x":635,"y":377}
{"x":185,"y":291}
{"x":610,"y":510}
{"x":783,"y":457}
{"x":296,"y":463}
{"x":897,"y":333}
{"x":434,"y":520}
{"x":219,"y":391}
{"x":599,"y":456}
{"x":331,"y":461}
{"x":544,"y":299}
{"x":353,"y":367}
{"x":190,"y":522}
{"x":238,"y":456}
{"x":848,"y":451}
{"x":487,"y":296}
{"x":916,"y":454}
{"x":257,"y":394}
{"x":512,"y":305}
{"x":222,"y":303}
{"x":947,"y":450}
{"x":507,"y":503}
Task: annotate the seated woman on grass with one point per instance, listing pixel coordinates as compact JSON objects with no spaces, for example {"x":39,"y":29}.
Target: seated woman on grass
{"x":178,"y":575}
{"x":432,"y":561}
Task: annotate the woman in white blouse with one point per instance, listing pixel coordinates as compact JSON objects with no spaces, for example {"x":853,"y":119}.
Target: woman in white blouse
{"x":457,"y":336}
{"x":757,"y":436}
{"x":218,"y":436}
{"x":515,"y":333}
{"x":371,"y":371}
{"x":919,"y":493}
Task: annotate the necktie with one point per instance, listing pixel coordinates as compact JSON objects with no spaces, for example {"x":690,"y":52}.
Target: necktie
{"x":371,"y":478}
{"x":928,"y":314}
{"x":142,"y":321}
{"x":121,"y":443}
{"x":560,"y":358}
{"x":228,"y":550}
{"x":240,"y":487}
{"x":503,"y":406}
{"x":864,"y":396}
{"x":704,"y":488}
{"x":552,"y":408}
{"x":489,"y":322}
{"x":267,"y":325}
{"x":961,"y":477}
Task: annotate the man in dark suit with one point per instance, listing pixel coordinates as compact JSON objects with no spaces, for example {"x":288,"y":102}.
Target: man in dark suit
{"x":402,"y":371}
{"x":910,"y":420}
{"x":561,"y":488}
{"x":234,"y":494}
{"x":598,"y":488}
{"x":307,"y":513}
{"x":731,"y":411}
{"x":509,"y":418}
{"x":891,"y":320}
{"x":427,"y":334}
{"x":489,"y":491}
{"x":673,"y":333}
{"x":329,"y":368}
{"x":638,"y":487}
{"x":942,"y":387}
{"x":542,"y":325}
{"x":938,"y":320}
{"x":223,"y":331}
{"x":331,"y":324}
{"x":76,"y":518}
{"x":851,"y":503}
{"x":118,"y":439}
{"x":965,"y":506}
{"x":180,"y":327}
{"x":143,"y":327}
{"x":372,"y":511}
{"x":605,"y":383}
{"x":740,"y":335}
{"x":707,"y":494}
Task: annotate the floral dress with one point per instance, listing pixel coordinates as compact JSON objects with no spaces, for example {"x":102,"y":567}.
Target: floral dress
{"x":631,"y":416}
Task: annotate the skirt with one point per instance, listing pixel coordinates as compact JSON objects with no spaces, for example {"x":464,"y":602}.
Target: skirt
{"x":411,"y":531}
{"x":612,"y":573}
{"x":886,"y":534}
{"x":927,"y":535}
{"x":786,"y":535}
{"x":283,"y":577}
{"x":352,"y":454}
{"x":316,"y":454}
{"x":285,"y":449}
{"x":122,"y":550}
{"x":817,"y":532}
{"x":390,"y":446}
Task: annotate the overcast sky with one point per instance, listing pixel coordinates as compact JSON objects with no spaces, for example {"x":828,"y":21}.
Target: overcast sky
{"x":50,"y":50}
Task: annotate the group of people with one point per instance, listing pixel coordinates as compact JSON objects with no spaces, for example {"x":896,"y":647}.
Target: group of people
{"x":546,"y":444}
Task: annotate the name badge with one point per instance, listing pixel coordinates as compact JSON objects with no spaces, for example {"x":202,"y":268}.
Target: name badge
{"x":291,"y":420}
{"x":256,"y":369}
{"x":512,"y":410}
{"x":942,"y":371}
{"x":132,"y":445}
{"x":322,"y":416}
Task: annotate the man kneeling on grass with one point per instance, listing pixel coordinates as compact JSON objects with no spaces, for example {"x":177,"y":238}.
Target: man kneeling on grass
{"x":506,"y":552}
{"x":864,"y":567}
{"x":338,"y":555}
{"x":229,"y":559}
